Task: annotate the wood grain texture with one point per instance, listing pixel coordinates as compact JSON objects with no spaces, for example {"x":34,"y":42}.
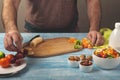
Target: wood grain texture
{"x":53,"y":47}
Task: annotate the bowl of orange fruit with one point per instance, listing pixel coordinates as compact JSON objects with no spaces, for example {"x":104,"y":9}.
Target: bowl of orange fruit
{"x":106,"y":58}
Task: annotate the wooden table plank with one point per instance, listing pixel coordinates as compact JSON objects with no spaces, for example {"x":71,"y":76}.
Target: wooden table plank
{"x":57,"y":68}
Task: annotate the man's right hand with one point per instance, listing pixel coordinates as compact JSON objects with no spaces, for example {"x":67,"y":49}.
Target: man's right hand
{"x":13,"y":41}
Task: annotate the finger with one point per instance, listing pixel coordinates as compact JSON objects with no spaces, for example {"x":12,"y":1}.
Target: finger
{"x":17,"y":42}
{"x":89,"y":37}
{"x":103,"y":41}
{"x":8,"y":43}
{"x":94,"y":37}
{"x":100,"y":40}
{"x":21,"y":39}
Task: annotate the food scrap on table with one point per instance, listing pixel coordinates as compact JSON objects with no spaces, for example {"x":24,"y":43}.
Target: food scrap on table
{"x":72,"y":40}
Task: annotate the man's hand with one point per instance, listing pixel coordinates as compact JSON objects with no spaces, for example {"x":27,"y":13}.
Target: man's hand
{"x":96,"y":38}
{"x":94,"y":14}
{"x":13,"y":41}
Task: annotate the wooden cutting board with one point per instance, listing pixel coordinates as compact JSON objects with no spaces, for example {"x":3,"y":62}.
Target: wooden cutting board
{"x":52,"y":47}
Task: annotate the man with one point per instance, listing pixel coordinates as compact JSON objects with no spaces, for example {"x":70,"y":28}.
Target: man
{"x":48,"y":16}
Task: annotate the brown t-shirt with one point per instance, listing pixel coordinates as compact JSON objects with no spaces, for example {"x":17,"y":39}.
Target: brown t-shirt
{"x":52,"y":14}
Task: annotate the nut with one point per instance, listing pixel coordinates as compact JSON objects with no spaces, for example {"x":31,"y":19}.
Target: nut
{"x":82,"y":57}
{"x":74,"y":58}
{"x":89,"y":57}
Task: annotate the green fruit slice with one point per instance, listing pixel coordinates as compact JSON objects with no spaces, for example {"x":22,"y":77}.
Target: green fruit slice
{"x":2,"y":54}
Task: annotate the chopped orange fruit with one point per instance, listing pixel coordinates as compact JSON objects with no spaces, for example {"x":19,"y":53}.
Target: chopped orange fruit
{"x":87,"y":43}
{"x":90,"y":46}
{"x":4,"y":62}
{"x":72,"y":40}
{"x":9,"y":56}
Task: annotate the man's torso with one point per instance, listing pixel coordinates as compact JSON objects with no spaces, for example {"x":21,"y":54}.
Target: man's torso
{"x":52,"y":14}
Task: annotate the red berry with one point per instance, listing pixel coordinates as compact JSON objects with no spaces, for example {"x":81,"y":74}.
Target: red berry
{"x":12,"y":61}
{"x":18,"y":62}
{"x":19,"y":56}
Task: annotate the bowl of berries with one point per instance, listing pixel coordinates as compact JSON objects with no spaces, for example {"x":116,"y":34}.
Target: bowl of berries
{"x":106,"y":58}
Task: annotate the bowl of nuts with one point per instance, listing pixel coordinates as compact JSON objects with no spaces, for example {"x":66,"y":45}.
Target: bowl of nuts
{"x":83,"y":57}
{"x":73,"y":61}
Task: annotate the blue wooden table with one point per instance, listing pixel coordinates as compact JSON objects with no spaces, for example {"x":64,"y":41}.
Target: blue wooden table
{"x":57,"y":68}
